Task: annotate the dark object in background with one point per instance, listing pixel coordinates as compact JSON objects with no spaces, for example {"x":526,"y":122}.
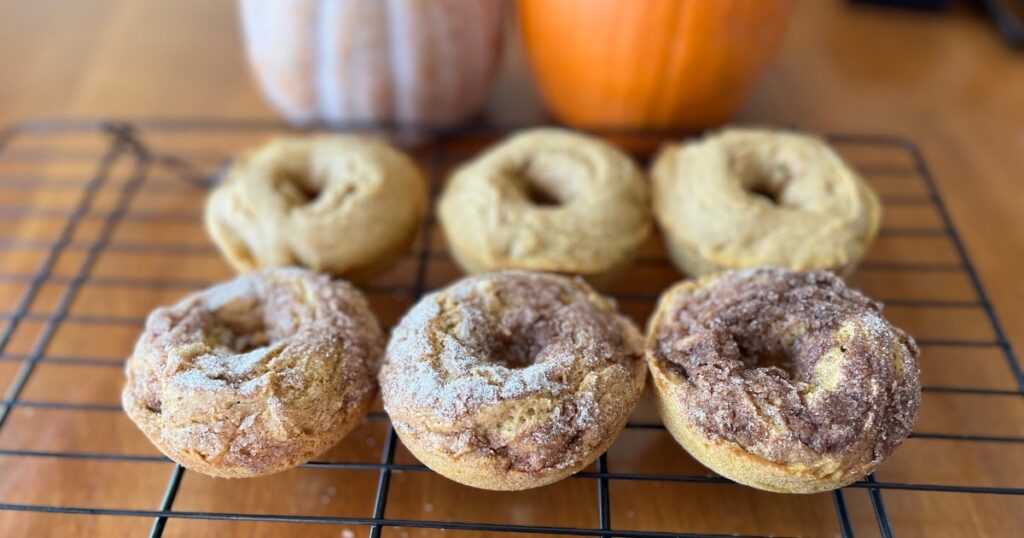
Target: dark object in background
{"x":1009,"y":17}
{"x":916,"y":4}
{"x":1007,"y":14}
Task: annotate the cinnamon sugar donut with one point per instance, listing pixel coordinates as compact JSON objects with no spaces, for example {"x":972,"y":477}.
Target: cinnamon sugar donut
{"x":547,"y":200}
{"x":755,"y":197}
{"x":512,"y":380}
{"x":783,"y":381}
{"x":256,"y":375}
{"x":317,"y":202}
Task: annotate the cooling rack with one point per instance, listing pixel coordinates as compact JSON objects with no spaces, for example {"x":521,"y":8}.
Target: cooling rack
{"x":101,"y":222}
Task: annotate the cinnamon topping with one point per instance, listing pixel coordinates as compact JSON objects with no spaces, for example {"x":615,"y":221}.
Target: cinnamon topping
{"x":791,"y":365}
{"x":530,"y":369}
{"x":255,"y":375}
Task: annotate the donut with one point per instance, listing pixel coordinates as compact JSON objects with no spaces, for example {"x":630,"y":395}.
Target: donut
{"x":547,"y":200}
{"x":743,"y":198}
{"x":511,"y":380}
{"x":316,"y":202}
{"x":780,"y":380}
{"x":256,"y":375}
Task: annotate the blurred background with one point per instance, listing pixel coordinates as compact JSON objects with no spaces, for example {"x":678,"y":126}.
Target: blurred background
{"x":841,"y":65}
{"x":945,"y":77}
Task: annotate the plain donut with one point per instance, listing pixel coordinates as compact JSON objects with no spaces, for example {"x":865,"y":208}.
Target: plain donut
{"x":743,"y":198}
{"x":547,"y":200}
{"x":317,"y":202}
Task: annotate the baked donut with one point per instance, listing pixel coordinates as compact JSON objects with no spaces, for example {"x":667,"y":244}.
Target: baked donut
{"x":754,"y":197}
{"x":547,"y":200}
{"x":511,"y":380}
{"x":255,"y":375}
{"x":780,"y":380}
{"x":317,"y":202}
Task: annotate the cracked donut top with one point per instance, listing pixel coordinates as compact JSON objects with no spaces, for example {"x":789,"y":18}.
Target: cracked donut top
{"x":533,"y":370}
{"x":756,"y":197}
{"x":288,"y":202}
{"x":547,"y":200}
{"x":788,"y":365}
{"x":246,"y":373}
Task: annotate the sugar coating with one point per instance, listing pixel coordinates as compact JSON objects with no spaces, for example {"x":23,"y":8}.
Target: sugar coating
{"x":848,"y":378}
{"x":254,"y":375}
{"x":527,"y":370}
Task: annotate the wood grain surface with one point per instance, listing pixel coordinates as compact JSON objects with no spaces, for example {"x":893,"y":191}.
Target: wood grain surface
{"x":945,"y":82}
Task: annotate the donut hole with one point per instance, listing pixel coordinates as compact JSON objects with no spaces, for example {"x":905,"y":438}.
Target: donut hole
{"x":763,"y":191}
{"x":772,"y":358}
{"x":298,"y":187}
{"x":239,"y":327}
{"x":514,"y":353}
{"x":541,"y":196}
{"x":765,"y":179}
{"x":518,"y":341}
{"x":549,"y":181}
{"x":767,"y":351}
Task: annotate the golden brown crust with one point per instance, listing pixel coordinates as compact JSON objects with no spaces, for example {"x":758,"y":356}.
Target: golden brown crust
{"x":256,"y":375}
{"x":592,"y":223}
{"x":512,"y":380}
{"x":291,"y":201}
{"x":487,"y":472}
{"x":752,"y":197}
{"x":846,"y":395}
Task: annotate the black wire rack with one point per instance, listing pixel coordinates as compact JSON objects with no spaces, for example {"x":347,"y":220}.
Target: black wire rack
{"x":77,"y":198}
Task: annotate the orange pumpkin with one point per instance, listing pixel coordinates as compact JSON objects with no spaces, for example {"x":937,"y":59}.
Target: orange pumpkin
{"x":650,"y":63}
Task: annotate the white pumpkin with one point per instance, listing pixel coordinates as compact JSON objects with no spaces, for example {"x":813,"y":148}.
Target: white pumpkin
{"x":424,"y":62}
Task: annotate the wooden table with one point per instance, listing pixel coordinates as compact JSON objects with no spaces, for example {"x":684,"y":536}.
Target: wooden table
{"x":946,"y":82}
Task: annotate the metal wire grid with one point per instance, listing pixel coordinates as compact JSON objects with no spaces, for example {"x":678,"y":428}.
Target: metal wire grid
{"x":125,"y":140}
